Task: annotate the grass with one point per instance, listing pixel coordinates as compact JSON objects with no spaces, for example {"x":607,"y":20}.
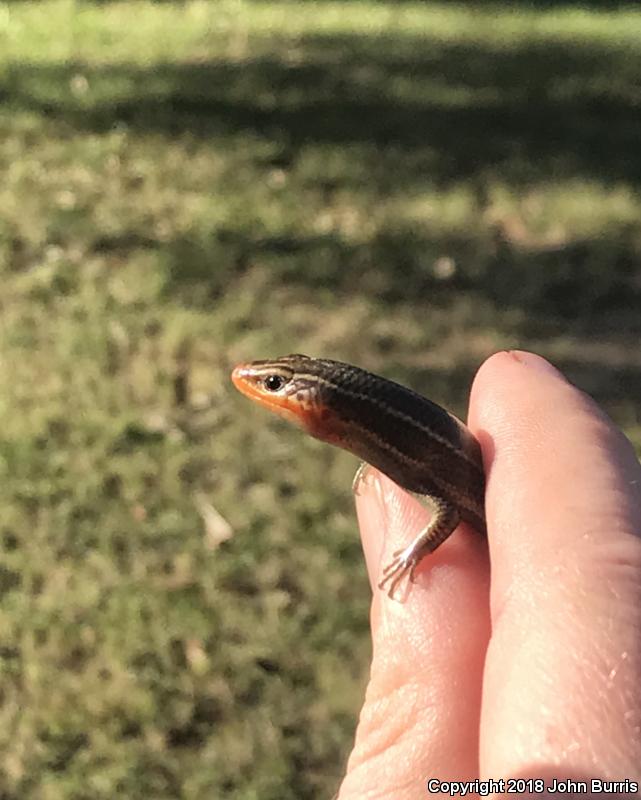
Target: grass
{"x":410,"y":186}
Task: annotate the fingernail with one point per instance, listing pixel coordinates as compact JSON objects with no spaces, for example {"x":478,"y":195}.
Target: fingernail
{"x":536,"y":363}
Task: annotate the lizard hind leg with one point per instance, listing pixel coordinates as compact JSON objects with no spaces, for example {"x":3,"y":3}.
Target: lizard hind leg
{"x":445,"y":518}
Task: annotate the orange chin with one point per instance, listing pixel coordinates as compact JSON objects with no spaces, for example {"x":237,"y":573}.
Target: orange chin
{"x":282,"y":405}
{"x":318,"y":420}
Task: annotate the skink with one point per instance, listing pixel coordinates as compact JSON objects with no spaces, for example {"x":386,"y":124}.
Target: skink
{"x":419,"y":445}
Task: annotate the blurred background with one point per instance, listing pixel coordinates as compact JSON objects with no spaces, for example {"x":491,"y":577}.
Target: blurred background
{"x":408,"y":186}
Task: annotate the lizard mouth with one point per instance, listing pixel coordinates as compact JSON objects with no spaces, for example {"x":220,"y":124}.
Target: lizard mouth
{"x":250,"y":384}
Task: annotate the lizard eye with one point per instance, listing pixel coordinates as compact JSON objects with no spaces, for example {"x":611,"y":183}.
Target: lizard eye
{"x":273,"y":383}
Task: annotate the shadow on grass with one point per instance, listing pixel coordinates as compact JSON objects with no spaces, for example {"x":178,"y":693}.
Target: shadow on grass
{"x":410,"y":112}
{"x":608,"y":384}
{"x":454,"y":111}
{"x":593,"y":281}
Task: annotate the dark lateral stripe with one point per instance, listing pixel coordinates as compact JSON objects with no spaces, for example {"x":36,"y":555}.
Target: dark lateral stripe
{"x":394,"y":413}
{"x":462,"y":499}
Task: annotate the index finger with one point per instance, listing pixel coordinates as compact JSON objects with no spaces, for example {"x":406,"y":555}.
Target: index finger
{"x":562,"y":683}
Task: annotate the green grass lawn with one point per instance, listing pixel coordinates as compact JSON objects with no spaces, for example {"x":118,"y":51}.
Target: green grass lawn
{"x":410,"y":186}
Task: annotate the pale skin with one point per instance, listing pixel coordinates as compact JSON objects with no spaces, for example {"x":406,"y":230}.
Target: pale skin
{"x":536,"y":672}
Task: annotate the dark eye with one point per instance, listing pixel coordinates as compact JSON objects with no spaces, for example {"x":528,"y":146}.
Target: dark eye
{"x":273,"y":383}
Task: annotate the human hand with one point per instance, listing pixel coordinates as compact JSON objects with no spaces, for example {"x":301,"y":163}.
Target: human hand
{"x":538,"y":675}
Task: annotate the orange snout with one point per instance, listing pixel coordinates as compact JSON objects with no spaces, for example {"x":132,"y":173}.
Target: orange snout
{"x":240,"y":377}
{"x":251,"y":385}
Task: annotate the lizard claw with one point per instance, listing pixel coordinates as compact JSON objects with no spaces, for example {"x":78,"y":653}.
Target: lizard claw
{"x":403,"y":564}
